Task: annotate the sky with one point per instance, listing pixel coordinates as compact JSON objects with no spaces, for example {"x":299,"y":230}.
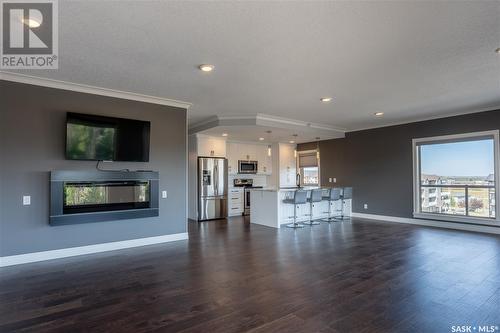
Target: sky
{"x":472,"y":158}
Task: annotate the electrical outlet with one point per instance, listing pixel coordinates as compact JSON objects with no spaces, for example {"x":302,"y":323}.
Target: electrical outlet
{"x":26,"y":200}
{"x":330,"y":180}
{"x":164,"y":194}
{"x":365,"y":206}
{"x":334,"y":180}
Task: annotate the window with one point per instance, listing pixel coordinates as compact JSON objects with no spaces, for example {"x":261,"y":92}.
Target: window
{"x":455,"y":177}
{"x":308,"y":168}
{"x":311,"y":176}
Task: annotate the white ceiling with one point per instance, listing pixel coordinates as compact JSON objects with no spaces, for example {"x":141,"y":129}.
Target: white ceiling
{"x":410,"y":59}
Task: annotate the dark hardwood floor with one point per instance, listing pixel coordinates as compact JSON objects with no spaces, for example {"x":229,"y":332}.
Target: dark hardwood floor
{"x":363,"y":276}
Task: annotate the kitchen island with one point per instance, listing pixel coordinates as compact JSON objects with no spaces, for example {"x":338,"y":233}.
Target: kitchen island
{"x":268,"y":209}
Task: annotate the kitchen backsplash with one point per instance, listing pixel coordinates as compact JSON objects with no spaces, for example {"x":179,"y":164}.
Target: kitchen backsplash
{"x":258,"y":180}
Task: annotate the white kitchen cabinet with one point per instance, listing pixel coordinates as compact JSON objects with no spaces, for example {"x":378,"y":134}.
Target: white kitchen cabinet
{"x":235,"y":202}
{"x":287,"y":165}
{"x":248,"y":152}
{"x":209,"y":146}
{"x":265,"y":161}
{"x":232,"y":158}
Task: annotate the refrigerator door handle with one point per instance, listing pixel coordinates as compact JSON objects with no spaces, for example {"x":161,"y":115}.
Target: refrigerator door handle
{"x":216,"y":177}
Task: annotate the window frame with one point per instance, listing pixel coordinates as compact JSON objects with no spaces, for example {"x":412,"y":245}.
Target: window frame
{"x":299,"y":169}
{"x":417,"y":212}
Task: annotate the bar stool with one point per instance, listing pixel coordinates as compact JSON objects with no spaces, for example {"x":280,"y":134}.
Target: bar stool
{"x":299,"y":198}
{"x":346,"y":195}
{"x":316,"y":196}
{"x":334,"y":195}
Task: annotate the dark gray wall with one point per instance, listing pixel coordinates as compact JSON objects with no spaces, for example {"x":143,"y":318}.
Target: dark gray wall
{"x":32,"y":143}
{"x":378,"y":162}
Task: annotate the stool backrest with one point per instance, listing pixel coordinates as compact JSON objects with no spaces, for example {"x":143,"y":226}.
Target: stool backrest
{"x":317,"y":195}
{"x":347,"y":193}
{"x":335,"y":193}
{"x":300,"y":197}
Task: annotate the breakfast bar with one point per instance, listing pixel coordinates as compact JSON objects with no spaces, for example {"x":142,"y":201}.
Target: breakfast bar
{"x":269,"y":209}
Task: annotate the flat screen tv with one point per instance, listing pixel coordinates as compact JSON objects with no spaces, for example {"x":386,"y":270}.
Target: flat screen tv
{"x":98,"y":138}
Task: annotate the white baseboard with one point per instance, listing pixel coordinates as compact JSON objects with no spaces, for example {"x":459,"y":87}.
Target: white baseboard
{"x":430,"y":223}
{"x":88,"y":249}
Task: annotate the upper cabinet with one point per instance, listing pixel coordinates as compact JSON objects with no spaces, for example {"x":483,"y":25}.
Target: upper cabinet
{"x":209,"y":146}
{"x":265,"y":160}
{"x":237,"y":151}
{"x":287,"y":165}
{"x":232,"y":158}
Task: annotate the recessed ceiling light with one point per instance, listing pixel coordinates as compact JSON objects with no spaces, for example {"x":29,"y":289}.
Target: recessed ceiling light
{"x":326,"y":99}
{"x":31,"y":23}
{"x":291,"y":141}
{"x":224,"y":134}
{"x":206,"y":67}
{"x":378,"y":114}
{"x":261,"y":139}
{"x":498,"y":50}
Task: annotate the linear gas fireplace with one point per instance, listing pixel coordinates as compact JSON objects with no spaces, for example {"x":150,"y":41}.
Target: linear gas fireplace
{"x":83,"y":197}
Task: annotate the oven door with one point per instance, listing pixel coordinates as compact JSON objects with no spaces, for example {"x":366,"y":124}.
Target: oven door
{"x":247,"y":202}
{"x":247,"y":166}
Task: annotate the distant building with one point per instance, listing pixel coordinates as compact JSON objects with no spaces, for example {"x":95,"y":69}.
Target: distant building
{"x":435,"y":199}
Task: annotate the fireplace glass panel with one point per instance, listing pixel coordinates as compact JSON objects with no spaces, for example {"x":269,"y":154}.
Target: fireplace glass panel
{"x":86,"y":197}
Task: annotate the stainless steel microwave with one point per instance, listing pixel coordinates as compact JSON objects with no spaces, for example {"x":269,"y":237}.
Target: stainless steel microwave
{"x":247,"y":166}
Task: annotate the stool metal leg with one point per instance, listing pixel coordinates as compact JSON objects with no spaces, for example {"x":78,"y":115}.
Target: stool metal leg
{"x":295,"y":225}
{"x":331,"y":218}
{"x":311,"y":222}
{"x":342,"y":216}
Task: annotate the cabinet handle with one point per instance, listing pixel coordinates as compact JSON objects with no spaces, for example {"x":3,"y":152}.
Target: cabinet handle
{"x":234,"y":208}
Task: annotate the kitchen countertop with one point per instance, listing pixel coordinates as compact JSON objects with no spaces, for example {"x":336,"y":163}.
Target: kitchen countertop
{"x":283,"y":189}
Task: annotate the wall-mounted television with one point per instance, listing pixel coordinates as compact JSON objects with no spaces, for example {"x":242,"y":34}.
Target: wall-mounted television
{"x":98,"y":138}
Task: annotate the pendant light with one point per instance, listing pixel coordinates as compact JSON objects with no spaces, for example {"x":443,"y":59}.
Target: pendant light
{"x":317,"y":147}
{"x":268,"y":146}
{"x":294,"y":141}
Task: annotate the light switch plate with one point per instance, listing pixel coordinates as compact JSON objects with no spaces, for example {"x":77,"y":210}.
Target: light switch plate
{"x":26,"y":200}
{"x":334,"y":180}
{"x":365,"y":206}
{"x":330,"y":180}
{"x":164,"y":194}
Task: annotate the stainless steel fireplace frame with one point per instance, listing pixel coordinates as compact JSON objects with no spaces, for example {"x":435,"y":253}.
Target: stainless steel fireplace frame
{"x":59,"y":178}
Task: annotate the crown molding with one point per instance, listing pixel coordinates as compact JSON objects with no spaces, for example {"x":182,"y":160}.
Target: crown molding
{"x":300,"y":123}
{"x":83,"y":88}
{"x":435,"y":117}
{"x":261,"y":119}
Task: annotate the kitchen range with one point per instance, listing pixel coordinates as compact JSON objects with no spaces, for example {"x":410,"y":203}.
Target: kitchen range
{"x":247,"y":184}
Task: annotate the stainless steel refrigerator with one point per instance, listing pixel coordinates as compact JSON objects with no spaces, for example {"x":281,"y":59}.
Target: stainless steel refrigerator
{"x":212,"y":188}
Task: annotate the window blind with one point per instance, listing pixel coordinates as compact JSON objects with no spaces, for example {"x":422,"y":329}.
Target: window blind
{"x":308,"y":160}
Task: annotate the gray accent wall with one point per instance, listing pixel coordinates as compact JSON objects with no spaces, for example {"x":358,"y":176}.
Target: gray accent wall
{"x":378,"y":163}
{"x":32,"y":143}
